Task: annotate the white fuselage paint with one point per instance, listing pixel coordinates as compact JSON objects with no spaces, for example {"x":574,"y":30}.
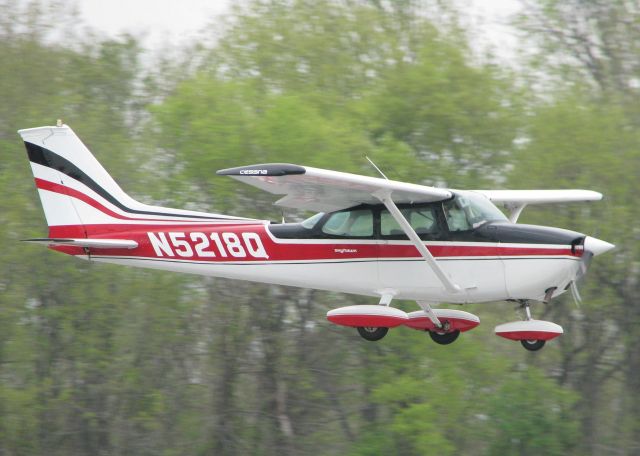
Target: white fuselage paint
{"x":482,"y":279}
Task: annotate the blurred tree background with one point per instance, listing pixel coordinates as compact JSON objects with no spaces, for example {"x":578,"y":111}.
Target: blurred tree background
{"x":99,"y":359}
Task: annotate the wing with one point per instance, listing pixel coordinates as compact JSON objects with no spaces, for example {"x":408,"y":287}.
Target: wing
{"x":540,"y":196}
{"x":516,"y":200}
{"x":304,"y":187}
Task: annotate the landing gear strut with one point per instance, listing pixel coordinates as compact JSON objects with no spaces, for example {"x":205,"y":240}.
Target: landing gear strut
{"x":532,"y":344}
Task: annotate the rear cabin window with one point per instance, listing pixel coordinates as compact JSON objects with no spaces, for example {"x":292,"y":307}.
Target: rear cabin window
{"x":355,"y":223}
{"x":423,"y":220}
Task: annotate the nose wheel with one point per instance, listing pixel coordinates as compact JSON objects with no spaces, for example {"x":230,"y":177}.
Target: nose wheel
{"x":532,"y":334}
{"x":533,"y":345}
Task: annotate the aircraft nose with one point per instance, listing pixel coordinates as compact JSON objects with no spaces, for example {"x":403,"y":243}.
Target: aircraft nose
{"x":597,"y":246}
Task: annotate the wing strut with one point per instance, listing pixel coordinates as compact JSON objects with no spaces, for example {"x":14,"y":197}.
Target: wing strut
{"x":417,"y":242}
{"x":515,"y":210}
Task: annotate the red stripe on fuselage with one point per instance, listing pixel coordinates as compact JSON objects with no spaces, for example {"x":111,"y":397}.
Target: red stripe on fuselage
{"x":287,"y":250}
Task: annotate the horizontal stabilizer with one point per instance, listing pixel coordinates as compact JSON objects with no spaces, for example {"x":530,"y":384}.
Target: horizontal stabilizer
{"x":89,"y":243}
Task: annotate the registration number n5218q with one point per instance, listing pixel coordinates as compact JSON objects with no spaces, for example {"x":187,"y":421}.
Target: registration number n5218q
{"x":207,"y":245}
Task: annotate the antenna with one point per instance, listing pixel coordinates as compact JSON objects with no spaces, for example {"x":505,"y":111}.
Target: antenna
{"x":376,"y":167}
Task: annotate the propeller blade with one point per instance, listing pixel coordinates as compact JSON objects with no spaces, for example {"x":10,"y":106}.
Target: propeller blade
{"x":585,"y":262}
{"x":576,"y":294}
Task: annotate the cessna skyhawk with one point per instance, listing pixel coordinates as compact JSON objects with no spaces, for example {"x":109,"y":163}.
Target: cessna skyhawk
{"x":372,"y":236}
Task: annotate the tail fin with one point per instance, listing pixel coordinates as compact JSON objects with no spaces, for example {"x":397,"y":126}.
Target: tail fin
{"x":78,"y":195}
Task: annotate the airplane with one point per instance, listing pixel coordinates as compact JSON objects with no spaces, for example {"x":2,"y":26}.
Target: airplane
{"x":371,"y":236}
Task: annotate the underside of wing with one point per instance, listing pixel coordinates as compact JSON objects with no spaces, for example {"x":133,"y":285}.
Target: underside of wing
{"x":516,"y":200}
{"x":304,"y":187}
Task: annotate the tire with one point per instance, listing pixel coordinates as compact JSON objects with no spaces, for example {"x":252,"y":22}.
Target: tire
{"x":371,"y":333}
{"x":444,"y":338}
{"x":533,"y":345}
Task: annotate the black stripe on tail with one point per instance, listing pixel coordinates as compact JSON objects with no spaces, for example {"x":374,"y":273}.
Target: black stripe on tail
{"x":45,"y":157}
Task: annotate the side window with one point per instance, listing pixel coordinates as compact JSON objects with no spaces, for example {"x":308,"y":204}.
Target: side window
{"x":356,"y":223}
{"x":454,"y":212}
{"x":422,"y":219}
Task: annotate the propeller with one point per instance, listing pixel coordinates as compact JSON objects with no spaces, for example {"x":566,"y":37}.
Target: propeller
{"x":592,"y":247}
{"x":585,"y":262}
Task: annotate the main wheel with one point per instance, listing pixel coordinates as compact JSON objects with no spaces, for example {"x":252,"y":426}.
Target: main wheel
{"x":444,"y":338}
{"x":372,"y":333}
{"x":533,"y":345}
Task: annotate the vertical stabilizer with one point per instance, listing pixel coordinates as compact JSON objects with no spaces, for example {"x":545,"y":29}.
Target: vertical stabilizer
{"x":78,"y":195}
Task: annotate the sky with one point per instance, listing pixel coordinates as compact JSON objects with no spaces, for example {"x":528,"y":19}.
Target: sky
{"x":158,"y":22}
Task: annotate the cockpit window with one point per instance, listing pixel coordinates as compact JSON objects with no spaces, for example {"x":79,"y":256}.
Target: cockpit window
{"x":311,"y":221}
{"x":354,"y":223}
{"x":468,"y":211}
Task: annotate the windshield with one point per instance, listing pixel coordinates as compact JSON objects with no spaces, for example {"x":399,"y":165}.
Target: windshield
{"x":311,"y":221}
{"x":468,"y":210}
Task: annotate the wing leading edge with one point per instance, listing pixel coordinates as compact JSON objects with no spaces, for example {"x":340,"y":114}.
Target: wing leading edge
{"x":304,"y":187}
{"x":540,"y":196}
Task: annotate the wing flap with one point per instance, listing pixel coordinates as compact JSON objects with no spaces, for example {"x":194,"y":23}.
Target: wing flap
{"x":89,"y":243}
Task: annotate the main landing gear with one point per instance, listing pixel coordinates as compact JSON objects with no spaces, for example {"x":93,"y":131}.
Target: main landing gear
{"x":373,"y":321}
{"x":444,"y":338}
{"x":532,"y":334}
{"x":372,"y":333}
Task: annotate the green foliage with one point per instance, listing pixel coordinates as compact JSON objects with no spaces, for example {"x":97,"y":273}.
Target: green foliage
{"x":97,"y":359}
{"x":531,"y":415}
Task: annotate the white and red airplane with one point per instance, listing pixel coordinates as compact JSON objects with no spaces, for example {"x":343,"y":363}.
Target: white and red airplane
{"x":373,"y":236}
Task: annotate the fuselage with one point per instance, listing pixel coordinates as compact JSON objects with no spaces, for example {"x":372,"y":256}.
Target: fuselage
{"x":360,"y":251}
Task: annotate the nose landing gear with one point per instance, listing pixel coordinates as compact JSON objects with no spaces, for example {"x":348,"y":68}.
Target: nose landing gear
{"x":532,"y":334}
{"x":533,"y":345}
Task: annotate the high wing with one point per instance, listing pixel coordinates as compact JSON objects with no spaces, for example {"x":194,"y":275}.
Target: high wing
{"x":516,"y":200}
{"x":324,"y":190}
{"x":304,"y":187}
{"x":540,"y":196}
